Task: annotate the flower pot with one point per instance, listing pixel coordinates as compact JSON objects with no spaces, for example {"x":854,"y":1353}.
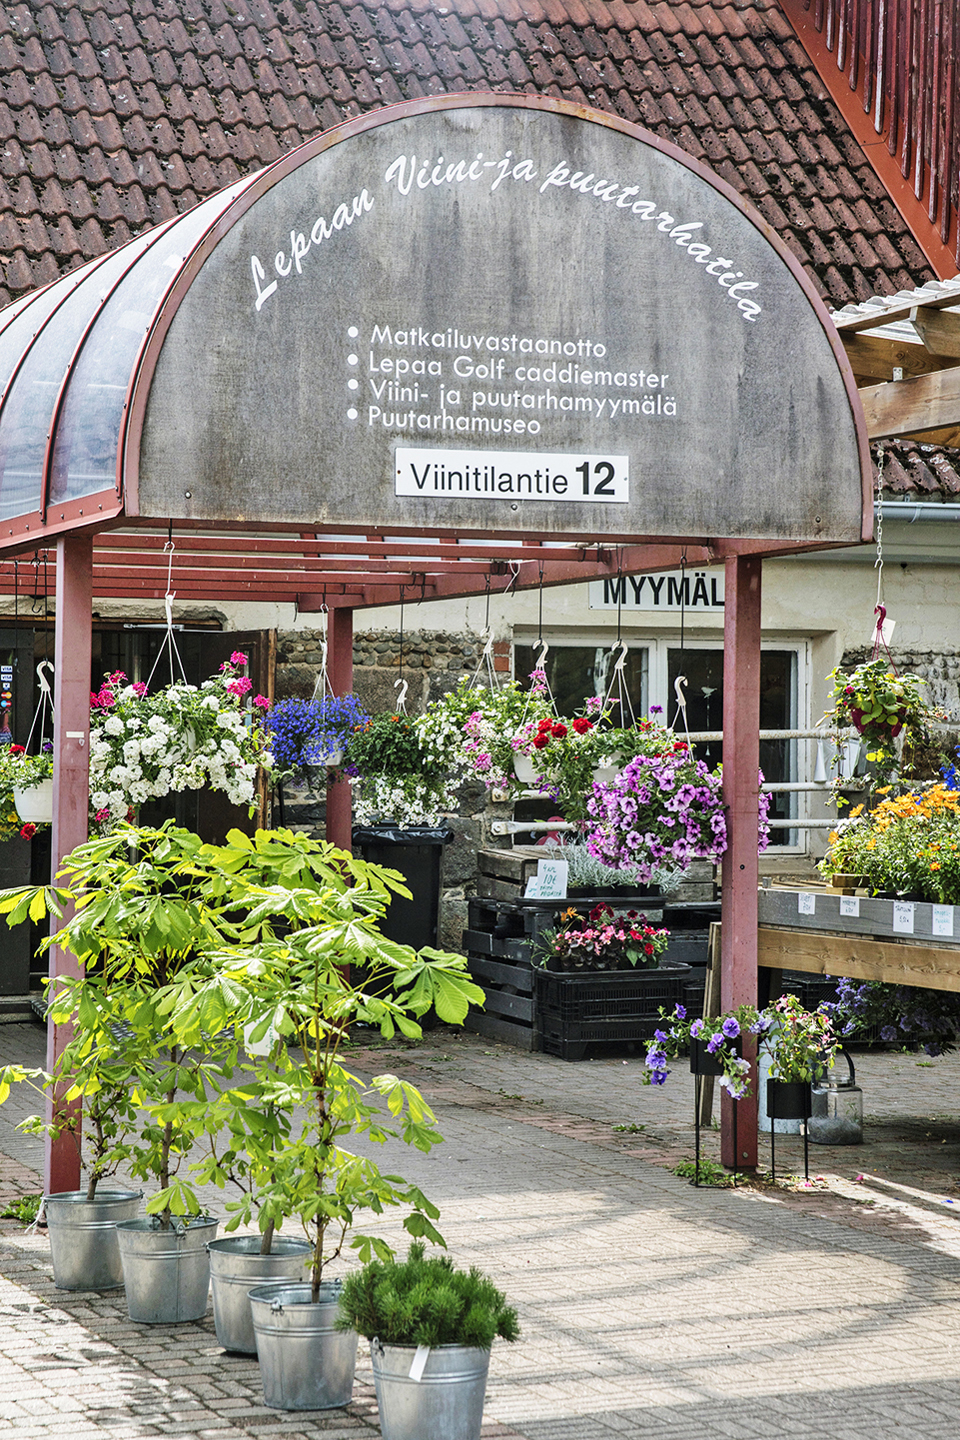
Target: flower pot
{"x":236,"y":1268}
{"x":524,"y":768}
{"x":83,"y":1237}
{"x":702,"y":1062}
{"x":445,"y":1403}
{"x":166,"y":1273}
{"x":35,"y":805}
{"x":788,"y":1099}
{"x":607,"y":770}
{"x":305,"y":1364}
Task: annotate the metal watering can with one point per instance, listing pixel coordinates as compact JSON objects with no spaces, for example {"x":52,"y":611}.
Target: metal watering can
{"x":837,"y":1108}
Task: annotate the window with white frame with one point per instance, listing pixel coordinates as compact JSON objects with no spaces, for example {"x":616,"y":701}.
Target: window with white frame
{"x":577,"y":668}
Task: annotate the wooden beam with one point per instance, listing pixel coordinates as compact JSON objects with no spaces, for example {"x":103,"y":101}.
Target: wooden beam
{"x":950,"y":435}
{"x":874,"y":357}
{"x":861,"y":959}
{"x":912,"y":407}
{"x":939,"y":330}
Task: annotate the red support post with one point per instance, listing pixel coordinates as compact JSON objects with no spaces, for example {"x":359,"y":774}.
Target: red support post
{"x":741,"y":792}
{"x":71,"y":787}
{"x":340,"y":662}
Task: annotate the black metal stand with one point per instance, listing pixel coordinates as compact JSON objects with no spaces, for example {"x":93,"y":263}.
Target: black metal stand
{"x":806,"y":1151}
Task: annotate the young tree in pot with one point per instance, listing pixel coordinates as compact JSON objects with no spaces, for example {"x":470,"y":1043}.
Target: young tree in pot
{"x":244,"y":1129}
{"x":431,"y":1329}
{"x":138,"y":928}
{"x":82,"y":1223}
{"x":284,"y":982}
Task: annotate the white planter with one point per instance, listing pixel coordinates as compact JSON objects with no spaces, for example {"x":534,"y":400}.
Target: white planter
{"x":604,"y":774}
{"x":35,"y":806}
{"x":523,"y":768}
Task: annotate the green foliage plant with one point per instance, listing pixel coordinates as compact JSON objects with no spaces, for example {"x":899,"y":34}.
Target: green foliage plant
{"x":140,"y":926}
{"x":227,"y":970}
{"x":424,"y":1301}
{"x":879,"y":705}
{"x":25,"y":1208}
{"x":307,"y":961}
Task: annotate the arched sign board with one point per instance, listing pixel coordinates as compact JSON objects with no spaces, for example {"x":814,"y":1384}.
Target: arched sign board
{"x":495,"y":313}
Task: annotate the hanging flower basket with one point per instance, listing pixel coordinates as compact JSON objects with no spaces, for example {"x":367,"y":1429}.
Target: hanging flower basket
{"x":309,"y":737}
{"x":184,"y":737}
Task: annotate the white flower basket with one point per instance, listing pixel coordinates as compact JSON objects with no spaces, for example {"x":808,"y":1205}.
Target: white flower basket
{"x":35,"y":806}
{"x":607,"y":770}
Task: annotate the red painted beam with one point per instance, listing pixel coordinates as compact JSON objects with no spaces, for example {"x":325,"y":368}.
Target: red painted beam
{"x":741,"y":793}
{"x":71,"y":776}
{"x":340,"y":661}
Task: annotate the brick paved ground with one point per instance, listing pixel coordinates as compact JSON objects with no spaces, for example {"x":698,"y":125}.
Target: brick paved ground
{"x":648,"y":1308}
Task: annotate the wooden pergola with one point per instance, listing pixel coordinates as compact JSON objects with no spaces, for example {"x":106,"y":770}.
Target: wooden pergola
{"x":904,"y":350}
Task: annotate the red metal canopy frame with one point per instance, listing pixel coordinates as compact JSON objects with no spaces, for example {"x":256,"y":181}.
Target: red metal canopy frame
{"x":104,"y":551}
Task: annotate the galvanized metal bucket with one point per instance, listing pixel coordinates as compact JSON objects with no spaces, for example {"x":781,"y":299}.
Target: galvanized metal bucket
{"x":236,"y":1268}
{"x":83,"y":1237}
{"x":166,"y":1272}
{"x":437,"y":1395}
{"x":304,"y":1363}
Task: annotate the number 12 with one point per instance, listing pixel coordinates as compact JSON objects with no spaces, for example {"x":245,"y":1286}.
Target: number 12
{"x":606,"y":474}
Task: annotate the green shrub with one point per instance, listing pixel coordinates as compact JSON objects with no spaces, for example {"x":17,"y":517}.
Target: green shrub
{"x":425,"y":1302}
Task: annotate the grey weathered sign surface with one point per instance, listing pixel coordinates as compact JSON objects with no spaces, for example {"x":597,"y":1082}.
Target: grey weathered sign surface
{"x":501,"y":315}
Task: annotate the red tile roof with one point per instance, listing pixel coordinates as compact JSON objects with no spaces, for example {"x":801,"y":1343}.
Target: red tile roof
{"x":117,"y":114}
{"x":913,"y":471}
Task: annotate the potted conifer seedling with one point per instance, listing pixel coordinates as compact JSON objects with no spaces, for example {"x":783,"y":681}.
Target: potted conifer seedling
{"x":431,"y":1328}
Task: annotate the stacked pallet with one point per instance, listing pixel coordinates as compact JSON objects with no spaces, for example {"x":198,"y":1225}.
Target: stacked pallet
{"x":536,"y":1009}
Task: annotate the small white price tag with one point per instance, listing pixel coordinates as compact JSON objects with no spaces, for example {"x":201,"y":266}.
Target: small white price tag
{"x":532,"y":891}
{"x":850,"y":905}
{"x":552,"y":879}
{"x":419,"y":1362}
{"x":806,"y":904}
{"x":943,"y":919}
{"x":903,"y":917}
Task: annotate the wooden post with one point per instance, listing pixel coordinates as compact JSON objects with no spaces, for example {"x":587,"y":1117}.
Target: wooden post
{"x":71,"y":786}
{"x":741,"y":762}
{"x":340,"y":661}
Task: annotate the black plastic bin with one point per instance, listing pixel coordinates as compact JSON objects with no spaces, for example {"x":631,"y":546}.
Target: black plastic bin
{"x":417,"y":852}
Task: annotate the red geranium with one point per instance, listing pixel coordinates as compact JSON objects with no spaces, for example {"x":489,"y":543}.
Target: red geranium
{"x":28,"y":831}
{"x":581,"y":725}
{"x":559,"y":731}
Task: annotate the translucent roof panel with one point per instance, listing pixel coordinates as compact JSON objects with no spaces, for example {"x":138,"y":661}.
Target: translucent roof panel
{"x":88,"y":429}
{"x":87,"y":330}
{"x":28,"y":408}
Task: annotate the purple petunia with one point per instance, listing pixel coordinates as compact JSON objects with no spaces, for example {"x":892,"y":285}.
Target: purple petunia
{"x":731,"y":1027}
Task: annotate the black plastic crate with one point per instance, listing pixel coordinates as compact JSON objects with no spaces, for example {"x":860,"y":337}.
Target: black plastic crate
{"x":611,"y":1007}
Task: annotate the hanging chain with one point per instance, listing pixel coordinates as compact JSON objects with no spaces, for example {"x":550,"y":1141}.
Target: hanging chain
{"x":683,"y":598}
{"x":619,"y":592}
{"x":878,"y":563}
{"x":400,"y":685}
{"x":169,"y":644}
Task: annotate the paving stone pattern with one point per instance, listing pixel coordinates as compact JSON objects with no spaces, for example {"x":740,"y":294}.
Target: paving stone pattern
{"x":648,"y":1308}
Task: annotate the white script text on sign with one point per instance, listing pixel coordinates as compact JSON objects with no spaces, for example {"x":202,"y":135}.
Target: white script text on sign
{"x":512,"y":475}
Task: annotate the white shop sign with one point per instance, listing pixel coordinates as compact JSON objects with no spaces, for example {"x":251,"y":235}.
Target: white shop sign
{"x":512,"y":475}
{"x":691,"y":590}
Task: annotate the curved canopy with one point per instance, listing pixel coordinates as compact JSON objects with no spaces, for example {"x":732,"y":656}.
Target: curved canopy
{"x":490,"y":322}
